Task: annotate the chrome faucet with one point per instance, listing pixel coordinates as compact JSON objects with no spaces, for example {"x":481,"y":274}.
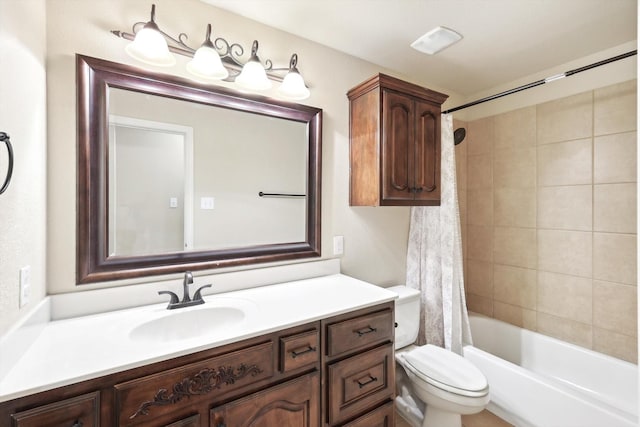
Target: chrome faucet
{"x":186,"y":300}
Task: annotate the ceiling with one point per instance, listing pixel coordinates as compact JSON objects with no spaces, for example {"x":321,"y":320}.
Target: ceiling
{"x":503,"y":40}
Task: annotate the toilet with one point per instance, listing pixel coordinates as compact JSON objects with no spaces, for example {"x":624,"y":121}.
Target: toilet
{"x":435,"y":387}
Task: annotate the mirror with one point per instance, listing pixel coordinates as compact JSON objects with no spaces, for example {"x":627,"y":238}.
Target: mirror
{"x":174,"y":175}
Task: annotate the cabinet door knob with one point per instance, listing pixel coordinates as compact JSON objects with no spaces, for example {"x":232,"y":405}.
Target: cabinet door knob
{"x":78,"y":423}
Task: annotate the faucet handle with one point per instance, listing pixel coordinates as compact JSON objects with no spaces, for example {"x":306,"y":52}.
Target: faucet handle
{"x":197,"y":296}
{"x":174,"y":297}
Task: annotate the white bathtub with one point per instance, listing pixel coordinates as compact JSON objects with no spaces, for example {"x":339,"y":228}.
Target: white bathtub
{"x":538,"y":381}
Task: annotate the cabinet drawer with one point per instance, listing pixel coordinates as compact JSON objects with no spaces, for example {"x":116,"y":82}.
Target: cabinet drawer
{"x":380,"y":417}
{"x":75,"y":412}
{"x":359,"y":332}
{"x":299,"y":350}
{"x":143,"y":399}
{"x":359,"y":383}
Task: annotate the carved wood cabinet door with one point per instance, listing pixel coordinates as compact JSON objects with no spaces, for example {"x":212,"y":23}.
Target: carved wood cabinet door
{"x":292,"y":404}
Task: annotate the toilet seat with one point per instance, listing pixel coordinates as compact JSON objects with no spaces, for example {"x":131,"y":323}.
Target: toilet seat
{"x":446,"y":370}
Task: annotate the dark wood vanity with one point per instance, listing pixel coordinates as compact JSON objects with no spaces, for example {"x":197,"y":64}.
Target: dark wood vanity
{"x":337,"y":371}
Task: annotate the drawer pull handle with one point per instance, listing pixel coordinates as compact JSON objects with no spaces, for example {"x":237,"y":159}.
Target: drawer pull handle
{"x":365,"y":331}
{"x":295,"y":353}
{"x":78,"y":423}
{"x":368,"y":381}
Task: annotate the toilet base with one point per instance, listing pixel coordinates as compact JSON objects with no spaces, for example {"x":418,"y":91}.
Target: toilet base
{"x":436,"y":417}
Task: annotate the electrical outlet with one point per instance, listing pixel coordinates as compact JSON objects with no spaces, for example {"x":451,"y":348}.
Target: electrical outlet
{"x":25,"y":285}
{"x":338,"y":245}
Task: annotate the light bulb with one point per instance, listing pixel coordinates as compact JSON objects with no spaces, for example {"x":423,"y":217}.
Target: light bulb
{"x":293,"y":86}
{"x":206,"y":62}
{"x":150,"y":46}
{"x":253,"y":75}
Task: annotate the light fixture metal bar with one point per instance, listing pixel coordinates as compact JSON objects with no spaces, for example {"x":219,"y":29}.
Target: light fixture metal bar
{"x":228,"y":58}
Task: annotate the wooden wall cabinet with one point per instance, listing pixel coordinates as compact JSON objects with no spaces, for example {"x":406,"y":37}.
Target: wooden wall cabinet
{"x":338,"y":371}
{"x":394,"y":139}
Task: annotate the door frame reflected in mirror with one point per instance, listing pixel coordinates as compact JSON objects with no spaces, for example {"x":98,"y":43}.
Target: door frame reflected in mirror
{"x":93,"y":263}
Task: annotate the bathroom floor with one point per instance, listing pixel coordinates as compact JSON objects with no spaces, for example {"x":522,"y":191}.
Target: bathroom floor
{"x":482,"y":419}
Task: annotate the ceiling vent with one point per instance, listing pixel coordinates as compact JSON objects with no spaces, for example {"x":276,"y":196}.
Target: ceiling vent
{"x":436,"y":40}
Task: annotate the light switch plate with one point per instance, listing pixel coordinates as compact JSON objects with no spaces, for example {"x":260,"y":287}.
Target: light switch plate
{"x":338,"y":245}
{"x":206,"y":203}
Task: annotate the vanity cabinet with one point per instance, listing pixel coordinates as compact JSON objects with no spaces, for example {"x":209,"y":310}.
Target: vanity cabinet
{"x":359,"y":367}
{"x":336,"y":371}
{"x":394,"y":140}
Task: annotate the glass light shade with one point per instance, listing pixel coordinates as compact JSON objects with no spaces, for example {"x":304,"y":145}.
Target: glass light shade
{"x":253,"y":76}
{"x":206,"y":64}
{"x":150,"y":47}
{"x":293,"y":86}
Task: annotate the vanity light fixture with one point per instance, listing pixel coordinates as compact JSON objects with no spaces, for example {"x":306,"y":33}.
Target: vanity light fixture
{"x":213,"y":60}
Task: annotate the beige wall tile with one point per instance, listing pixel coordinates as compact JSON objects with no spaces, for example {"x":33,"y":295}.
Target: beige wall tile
{"x":461,"y":167}
{"x":514,"y":168}
{"x":515,"y":315}
{"x":480,"y":136}
{"x":567,"y":252}
{"x":514,"y":207}
{"x":480,"y":207}
{"x":615,"y":307}
{"x":514,"y":246}
{"x":515,"y":285}
{"x":565,"y":208}
{"x":515,"y":129}
{"x":479,"y":172}
{"x":615,"y":208}
{"x":614,"y":108}
{"x":565,"y":119}
{"x":617,"y":345}
{"x":480,"y":304}
{"x":565,"y":163}
{"x":565,"y":329}
{"x":615,"y":158}
{"x":480,"y":278}
{"x":614,"y":257}
{"x":480,"y":243}
{"x":565,"y":296}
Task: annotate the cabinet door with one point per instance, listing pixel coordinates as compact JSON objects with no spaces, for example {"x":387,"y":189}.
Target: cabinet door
{"x":426,"y":158}
{"x":292,"y":404}
{"x":397,"y":146}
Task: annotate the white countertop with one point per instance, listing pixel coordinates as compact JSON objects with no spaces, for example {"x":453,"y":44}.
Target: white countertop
{"x":76,"y":349}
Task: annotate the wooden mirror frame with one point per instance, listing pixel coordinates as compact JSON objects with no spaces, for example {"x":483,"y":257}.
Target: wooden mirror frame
{"x":94,"y":78}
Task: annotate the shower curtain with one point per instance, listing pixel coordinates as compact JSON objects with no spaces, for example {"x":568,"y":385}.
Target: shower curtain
{"x":434,"y":259}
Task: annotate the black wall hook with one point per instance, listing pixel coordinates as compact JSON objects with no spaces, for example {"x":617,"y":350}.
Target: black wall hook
{"x":5,"y":138}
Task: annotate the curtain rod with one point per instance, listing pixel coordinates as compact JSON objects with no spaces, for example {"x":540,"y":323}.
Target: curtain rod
{"x":543,"y":81}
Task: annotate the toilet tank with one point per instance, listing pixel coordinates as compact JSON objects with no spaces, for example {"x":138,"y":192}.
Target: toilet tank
{"x":407,"y":311}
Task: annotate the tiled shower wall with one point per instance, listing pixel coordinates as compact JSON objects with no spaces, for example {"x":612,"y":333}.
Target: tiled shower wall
{"x":548,"y":205}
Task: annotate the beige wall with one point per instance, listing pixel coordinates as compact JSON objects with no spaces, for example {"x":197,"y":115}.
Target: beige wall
{"x":374,"y":238}
{"x":550,"y":201}
{"x":23,"y":117}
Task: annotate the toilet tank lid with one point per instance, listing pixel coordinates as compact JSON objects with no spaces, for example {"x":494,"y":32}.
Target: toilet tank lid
{"x":404,"y":291}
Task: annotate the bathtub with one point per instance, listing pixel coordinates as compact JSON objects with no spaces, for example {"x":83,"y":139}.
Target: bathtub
{"x":538,"y":381}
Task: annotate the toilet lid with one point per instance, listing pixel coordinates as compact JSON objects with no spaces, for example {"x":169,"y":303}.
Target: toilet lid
{"x":446,"y":370}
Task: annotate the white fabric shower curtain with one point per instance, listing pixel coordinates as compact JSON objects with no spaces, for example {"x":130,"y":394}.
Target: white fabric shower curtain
{"x":434,"y":259}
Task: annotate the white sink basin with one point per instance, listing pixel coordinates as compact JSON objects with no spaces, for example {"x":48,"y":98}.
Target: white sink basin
{"x":187,"y":323}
